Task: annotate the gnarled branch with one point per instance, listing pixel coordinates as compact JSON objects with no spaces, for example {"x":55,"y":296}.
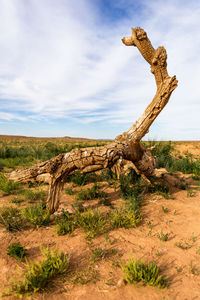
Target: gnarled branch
{"x":126,"y":147}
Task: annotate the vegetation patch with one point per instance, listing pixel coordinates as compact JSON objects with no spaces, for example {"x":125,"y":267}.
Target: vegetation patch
{"x":147,"y":273}
{"x":65,"y":224}
{"x":16,"y":250}
{"x":125,"y":218}
{"x":38,"y":274}
{"x":91,"y":193}
{"x":11,"y":219}
{"x":9,"y":186}
{"x":36,"y":215}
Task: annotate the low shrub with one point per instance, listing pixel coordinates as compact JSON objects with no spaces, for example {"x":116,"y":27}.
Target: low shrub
{"x":11,"y":219}
{"x":38,"y":274}
{"x":91,"y":193}
{"x":36,"y":215}
{"x":65,"y":224}
{"x":92,"y":222}
{"x":125,"y":218}
{"x":147,"y":273}
{"x":8,"y":186}
{"x":16,"y":250}
{"x":33,"y":196}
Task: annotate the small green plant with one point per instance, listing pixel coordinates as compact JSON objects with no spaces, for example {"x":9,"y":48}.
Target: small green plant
{"x":193,"y":238}
{"x":69,"y":191}
{"x":9,"y":186}
{"x":183,"y":246}
{"x":10,"y":218}
{"x":101,"y":253}
{"x":163,"y":236}
{"x":16,"y":200}
{"x":36,"y":215}
{"x":32,"y":196}
{"x":78,"y":178}
{"x":16,"y":250}
{"x":178,"y":269}
{"x":125,"y":218}
{"x":65,"y":225}
{"x":37,"y":275}
{"x":90,"y":194}
{"x":160,"y":189}
{"x":165,"y":210}
{"x":92,"y":222}
{"x":194,"y":269}
{"x":78,"y":205}
{"x":147,"y":273}
{"x":191,"y":193}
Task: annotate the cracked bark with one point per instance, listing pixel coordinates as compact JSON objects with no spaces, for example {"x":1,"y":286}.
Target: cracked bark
{"x":126,"y":147}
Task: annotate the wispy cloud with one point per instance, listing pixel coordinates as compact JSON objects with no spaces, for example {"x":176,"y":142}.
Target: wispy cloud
{"x":64,"y":59}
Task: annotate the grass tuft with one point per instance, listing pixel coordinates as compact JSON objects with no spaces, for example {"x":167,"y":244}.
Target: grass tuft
{"x":38,"y":274}
{"x":10,"y":218}
{"x":36,"y":215}
{"x":16,"y":250}
{"x":147,"y":273}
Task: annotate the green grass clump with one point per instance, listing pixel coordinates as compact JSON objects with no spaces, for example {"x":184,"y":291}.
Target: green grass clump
{"x":163,"y":236}
{"x":11,"y":219}
{"x":33,"y":196}
{"x":92,"y":222}
{"x":8,"y":186}
{"x":147,"y":273}
{"x":125,"y":218}
{"x":36,"y":215}
{"x":78,"y":178}
{"x":69,"y":191}
{"x":65,"y":224}
{"x":160,"y":189}
{"x":91,"y":193}
{"x":16,"y":250}
{"x":132,"y":189}
{"x":38,"y":274}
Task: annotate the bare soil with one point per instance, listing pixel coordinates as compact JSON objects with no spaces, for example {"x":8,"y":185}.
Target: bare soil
{"x":105,"y":278}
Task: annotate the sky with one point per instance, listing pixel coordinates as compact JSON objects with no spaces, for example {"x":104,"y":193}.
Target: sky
{"x":65,"y":72}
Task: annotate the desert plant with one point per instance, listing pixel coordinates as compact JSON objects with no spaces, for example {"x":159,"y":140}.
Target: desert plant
{"x":10,"y":218}
{"x":125,"y":218}
{"x":36,"y":215}
{"x":32,"y":196}
{"x":92,"y":222}
{"x":160,"y":189}
{"x":38,"y":274}
{"x":163,"y":236}
{"x":91,"y":193}
{"x":16,"y":250}
{"x":69,"y":191}
{"x":65,"y":224}
{"x":8,"y":186}
{"x":147,"y":273}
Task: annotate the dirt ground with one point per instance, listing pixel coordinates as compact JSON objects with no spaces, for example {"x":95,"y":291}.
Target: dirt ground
{"x":181,"y":220}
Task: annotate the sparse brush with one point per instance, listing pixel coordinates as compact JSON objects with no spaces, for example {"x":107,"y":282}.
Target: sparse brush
{"x":101,"y":253}
{"x":16,"y":200}
{"x":36,"y":215}
{"x":32,"y":196}
{"x":16,"y":250}
{"x":92,"y":222}
{"x":160,"y":189}
{"x":65,"y":224}
{"x":10,"y":218}
{"x":78,"y":178}
{"x":91,"y":193}
{"x":9,"y":186}
{"x":38,"y":274}
{"x":132,"y":189}
{"x":69,"y":191}
{"x":163,"y":236}
{"x":147,"y":273}
{"x":165,"y":210}
{"x":125,"y":218}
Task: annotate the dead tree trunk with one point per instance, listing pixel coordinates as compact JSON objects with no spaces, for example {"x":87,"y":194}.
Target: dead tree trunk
{"x":126,"y":147}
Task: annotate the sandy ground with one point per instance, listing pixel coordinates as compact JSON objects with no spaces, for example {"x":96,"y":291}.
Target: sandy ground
{"x":182,"y":267}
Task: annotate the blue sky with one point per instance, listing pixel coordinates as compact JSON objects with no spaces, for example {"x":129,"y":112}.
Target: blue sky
{"x":65,"y":72}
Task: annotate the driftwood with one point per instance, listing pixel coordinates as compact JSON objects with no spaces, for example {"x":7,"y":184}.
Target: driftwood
{"x":126,"y":147}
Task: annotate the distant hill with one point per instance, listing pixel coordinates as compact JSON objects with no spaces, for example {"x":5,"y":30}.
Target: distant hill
{"x":31,"y":138}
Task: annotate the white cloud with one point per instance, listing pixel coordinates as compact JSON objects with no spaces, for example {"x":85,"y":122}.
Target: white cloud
{"x":59,"y":60}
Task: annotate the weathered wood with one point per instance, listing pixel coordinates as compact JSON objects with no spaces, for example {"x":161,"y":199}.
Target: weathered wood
{"x":126,"y":147}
